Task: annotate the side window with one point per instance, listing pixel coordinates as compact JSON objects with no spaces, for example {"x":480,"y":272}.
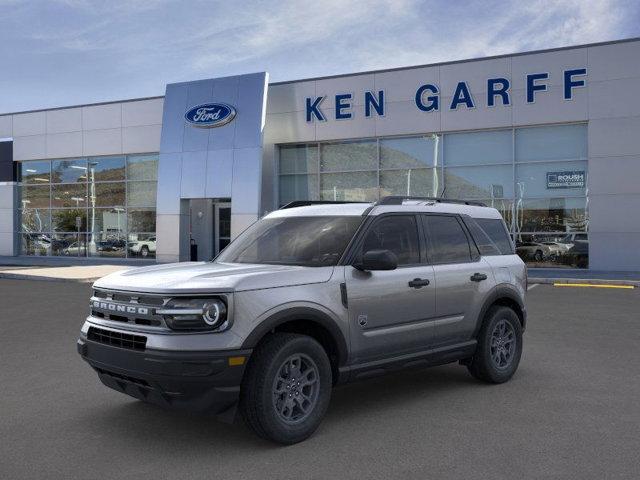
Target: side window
{"x":398,"y":233}
{"x":448,"y":242}
{"x":497,"y":232}
{"x":485,"y":244}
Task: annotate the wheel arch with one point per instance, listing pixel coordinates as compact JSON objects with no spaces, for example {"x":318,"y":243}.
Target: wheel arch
{"x":507,"y":296}
{"x":307,"y":321}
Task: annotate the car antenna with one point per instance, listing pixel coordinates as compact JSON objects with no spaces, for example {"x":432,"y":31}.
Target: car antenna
{"x":443,"y":190}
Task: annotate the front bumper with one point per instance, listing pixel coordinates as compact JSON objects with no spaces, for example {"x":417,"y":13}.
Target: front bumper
{"x":196,"y":381}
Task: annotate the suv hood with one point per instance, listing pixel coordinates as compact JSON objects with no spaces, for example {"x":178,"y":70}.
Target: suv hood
{"x":207,"y":277}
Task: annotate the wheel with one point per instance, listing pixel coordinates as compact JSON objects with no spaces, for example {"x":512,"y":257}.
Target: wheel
{"x":499,"y":346}
{"x":144,"y":251}
{"x":538,"y":256}
{"x":287,"y":387}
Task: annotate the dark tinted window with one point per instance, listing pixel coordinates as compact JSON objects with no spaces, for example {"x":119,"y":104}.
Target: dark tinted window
{"x":397,"y":233}
{"x":305,"y":241}
{"x":482,"y":240}
{"x":494,"y":228}
{"x":448,"y":242}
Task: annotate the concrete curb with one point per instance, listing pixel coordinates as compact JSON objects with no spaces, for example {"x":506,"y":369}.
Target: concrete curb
{"x":588,"y":281}
{"x":20,"y":276}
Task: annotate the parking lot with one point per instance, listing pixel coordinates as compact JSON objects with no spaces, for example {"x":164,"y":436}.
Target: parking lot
{"x":571,"y":411}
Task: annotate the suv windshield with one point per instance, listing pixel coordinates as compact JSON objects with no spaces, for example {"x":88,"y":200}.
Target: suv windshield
{"x":305,"y":241}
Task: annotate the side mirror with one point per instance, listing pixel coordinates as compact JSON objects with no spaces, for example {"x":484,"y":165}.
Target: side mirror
{"x":378,"y":260}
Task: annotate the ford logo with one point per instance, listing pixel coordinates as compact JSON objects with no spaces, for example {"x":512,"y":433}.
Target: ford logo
{"x":210,"y":115}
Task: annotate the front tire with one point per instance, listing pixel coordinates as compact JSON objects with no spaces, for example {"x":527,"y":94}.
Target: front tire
{"x":287,"y":388}
{"x":499,"y":347}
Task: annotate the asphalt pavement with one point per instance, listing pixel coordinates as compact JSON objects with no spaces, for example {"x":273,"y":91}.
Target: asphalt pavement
{"x":572,"y":411}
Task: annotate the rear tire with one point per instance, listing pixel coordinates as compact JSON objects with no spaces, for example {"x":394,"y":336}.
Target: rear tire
{"x":274,"y":403}
{"x":499,"y":347}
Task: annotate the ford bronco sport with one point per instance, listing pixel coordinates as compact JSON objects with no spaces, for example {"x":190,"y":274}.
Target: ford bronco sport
{"x":313,"y":295}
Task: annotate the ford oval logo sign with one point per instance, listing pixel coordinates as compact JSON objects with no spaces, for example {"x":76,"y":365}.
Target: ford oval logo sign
{"x":210,"y":115}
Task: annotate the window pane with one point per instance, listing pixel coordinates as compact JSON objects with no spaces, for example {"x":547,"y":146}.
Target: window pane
{"x":143,"y":220}
{"x":422,"y":182}
{"x":560,"y":142}
{"x":35,"y":196}
{"x":503,"y":205}
{"x":35,"y":172}
{"x":298,"y":159}
{"x":109,"y":194}
{"x":448,"y":242}
{"x":338,"y":157}
{"x":495,"y":230}
{"x":398,"y":234}
{"x":360,"y":186}
{"x":142,"y":167}
{"x":554,"y":250}
{"x":65,"y":220}
{"x":478,"y":148}
{"x":141,"y":245}
{"x":306,"y":241}
{"x":298,"y":187}
{"x":479,"y":182}
{"x":106,"y":168}
{"x":69,"y":171}
{"x":35,"y":244}
{"x":551,"y":179}
{"x":69,"y":245}
{"x":141,"y":194}
{"x":105,"y":245}
{"x":69,"y":195}
{"x":485,"y":244}
{"x":35,"y":220}
{"x":412,"y":152}
{"x":552,"y":215}
{"x":107,"y":223}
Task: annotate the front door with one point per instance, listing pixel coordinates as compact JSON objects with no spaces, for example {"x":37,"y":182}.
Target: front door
{"x":222,"y":227}
{"x":391,"y":312}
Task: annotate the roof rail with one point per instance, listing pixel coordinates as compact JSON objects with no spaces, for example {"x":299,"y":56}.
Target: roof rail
{"x":306,"y":203}
{"x":399,"y":199}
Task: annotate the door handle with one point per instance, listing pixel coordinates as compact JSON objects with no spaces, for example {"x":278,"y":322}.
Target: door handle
{"x":418,"y":283}
{"x":478,"y":277}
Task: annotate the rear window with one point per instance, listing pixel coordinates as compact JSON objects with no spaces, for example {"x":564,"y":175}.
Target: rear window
{"x":496,"y":232}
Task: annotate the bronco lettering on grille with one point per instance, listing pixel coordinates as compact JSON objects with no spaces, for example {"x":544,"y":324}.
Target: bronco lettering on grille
{"x":115,"y":307}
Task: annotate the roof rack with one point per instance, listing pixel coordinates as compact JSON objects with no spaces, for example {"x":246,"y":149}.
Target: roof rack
{"x":306,"y":203}
{"x":399,"y":199}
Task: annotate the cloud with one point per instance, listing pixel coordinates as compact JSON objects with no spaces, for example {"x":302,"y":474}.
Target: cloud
{"x":125,"y":48}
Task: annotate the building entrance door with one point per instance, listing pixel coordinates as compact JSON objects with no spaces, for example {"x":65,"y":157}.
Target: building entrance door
{"x":222,"y":226}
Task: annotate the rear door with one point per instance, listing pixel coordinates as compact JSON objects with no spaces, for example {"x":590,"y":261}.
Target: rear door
{"x":462,"y":278}
{"x":391,"y":312}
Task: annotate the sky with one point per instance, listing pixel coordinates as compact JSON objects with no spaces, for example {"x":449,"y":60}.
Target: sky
{"x":69,"y":52}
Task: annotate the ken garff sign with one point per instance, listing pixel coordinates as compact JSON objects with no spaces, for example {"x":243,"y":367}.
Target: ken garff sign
{"x":427,"y":96}
{"x":210,"y":115}
{"x":567,"y":179}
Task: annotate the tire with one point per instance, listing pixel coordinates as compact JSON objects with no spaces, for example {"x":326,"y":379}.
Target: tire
{"x":144,"y":251}
{"x":490,"y":363}
{"x":538,"y":256}
{"x":268,"y":392}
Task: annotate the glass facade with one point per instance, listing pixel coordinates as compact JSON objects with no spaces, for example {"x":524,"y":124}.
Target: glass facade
{"x":95,"y":206}
{"x":535,"y":176}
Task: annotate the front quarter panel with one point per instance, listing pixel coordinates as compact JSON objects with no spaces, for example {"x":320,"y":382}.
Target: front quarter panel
{"x":256,"y":310}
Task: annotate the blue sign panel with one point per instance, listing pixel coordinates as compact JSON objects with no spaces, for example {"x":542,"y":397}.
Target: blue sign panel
{"x":210,"y":115}
{"x":568,"y":179}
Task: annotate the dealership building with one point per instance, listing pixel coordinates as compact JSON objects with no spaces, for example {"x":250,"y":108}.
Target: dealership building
{"x":550,"y":138}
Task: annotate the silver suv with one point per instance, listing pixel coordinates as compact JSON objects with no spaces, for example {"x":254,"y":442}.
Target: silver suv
{"x":312,"y":295}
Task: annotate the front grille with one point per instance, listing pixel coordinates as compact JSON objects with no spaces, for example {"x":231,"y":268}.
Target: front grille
{"x":117,"y":339}
{"x":129,"y":308}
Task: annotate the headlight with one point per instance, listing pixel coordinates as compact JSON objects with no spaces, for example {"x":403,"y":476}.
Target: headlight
{"x":195,"y":314}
